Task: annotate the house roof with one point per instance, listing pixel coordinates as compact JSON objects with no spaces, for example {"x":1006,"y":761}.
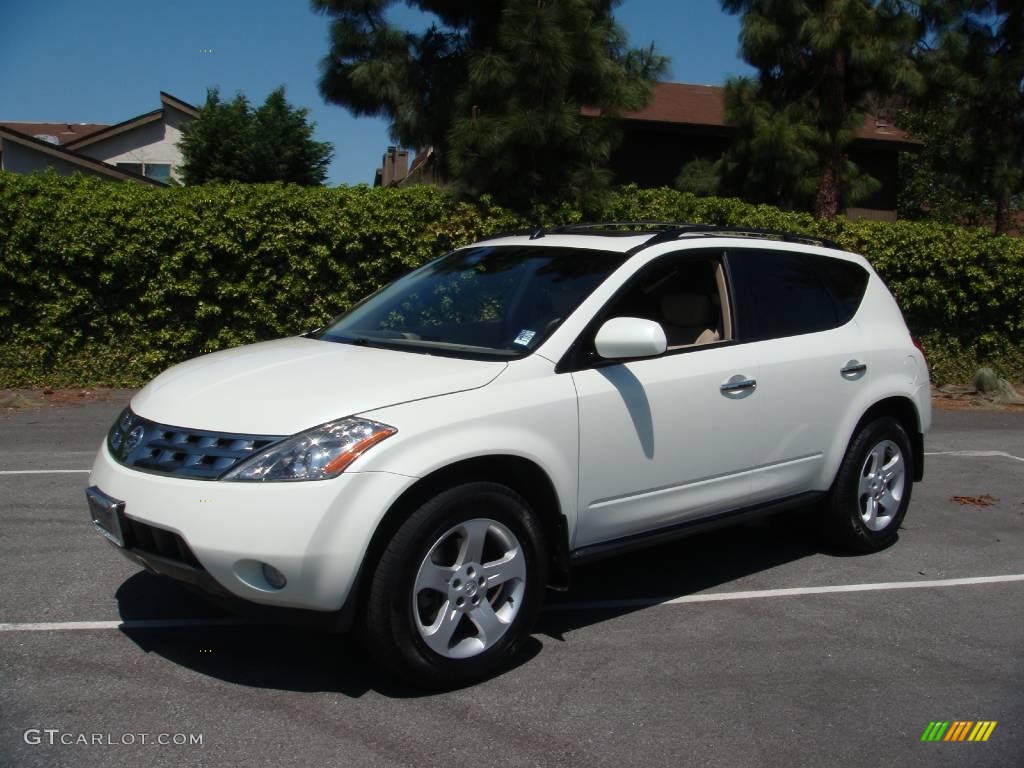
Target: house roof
{"x":704,"y":105}
{"x":107,"y":132}
{"x":421,"y":157}
{"x":182,"y":106}
{"x":63,"y":132}
{"x":74,"y":158}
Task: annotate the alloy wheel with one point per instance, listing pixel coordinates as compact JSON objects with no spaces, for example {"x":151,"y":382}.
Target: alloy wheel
{"x":469,"y":588}
{"x":880,"y":489}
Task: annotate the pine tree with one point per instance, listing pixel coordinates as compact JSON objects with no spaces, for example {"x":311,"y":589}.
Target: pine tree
{"x":935,"y":182}
{"x":230,"y":141}
{"x":822,"y":65}
{"x":976,"y":71}
{"x":496,"y":88}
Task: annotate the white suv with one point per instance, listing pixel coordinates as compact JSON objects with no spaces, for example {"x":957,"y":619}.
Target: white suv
{"x":426,"y":464}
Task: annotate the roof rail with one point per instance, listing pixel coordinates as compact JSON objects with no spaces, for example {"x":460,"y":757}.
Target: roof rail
{"x":637,"y":227}
{"x":669,"y":235}
{"x":509,"y":233}
{"x":666,"y":232}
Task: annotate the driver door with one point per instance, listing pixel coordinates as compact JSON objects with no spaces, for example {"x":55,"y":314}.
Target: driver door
{"x":661,"y":441}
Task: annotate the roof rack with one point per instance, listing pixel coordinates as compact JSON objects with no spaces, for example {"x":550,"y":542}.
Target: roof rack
{"x":666,"y":232}
{"x":509,"y":233}
{"x":683,"y":230}
{"x":638,"y":227}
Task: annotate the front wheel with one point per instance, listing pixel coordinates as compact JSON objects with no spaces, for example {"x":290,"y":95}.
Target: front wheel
{"x":871,"y":493}
{"x":458,"y":587}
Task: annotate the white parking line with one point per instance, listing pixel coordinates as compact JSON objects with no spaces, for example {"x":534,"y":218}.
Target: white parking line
{"x":975,"y":454}
{"x":790,"y":592}
{"x":53,"y":626}
{"x":589,"y":606}
{"x":44,"y":471}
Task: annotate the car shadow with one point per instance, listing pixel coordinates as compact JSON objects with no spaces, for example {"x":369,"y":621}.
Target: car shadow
{"x":254,"y":654}
{"x":301,"y":659}
{"x":635,"y":399}
{"x":635,"y":581}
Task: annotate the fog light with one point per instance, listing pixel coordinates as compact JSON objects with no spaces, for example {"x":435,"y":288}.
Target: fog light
{"x":273,"y":576}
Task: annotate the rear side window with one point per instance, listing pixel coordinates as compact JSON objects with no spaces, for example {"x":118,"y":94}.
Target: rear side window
{"x":781,"y":294}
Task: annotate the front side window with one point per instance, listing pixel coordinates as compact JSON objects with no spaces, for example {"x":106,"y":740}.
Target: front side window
{"x":782,"y":294}
{"x":684,"y":293}
{"x":485,"y":301}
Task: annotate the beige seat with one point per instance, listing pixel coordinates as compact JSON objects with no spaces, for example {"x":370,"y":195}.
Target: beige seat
{"x":689,"y":318}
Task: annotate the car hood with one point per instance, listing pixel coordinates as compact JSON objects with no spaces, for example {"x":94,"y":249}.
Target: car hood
{"x":285,"y":386}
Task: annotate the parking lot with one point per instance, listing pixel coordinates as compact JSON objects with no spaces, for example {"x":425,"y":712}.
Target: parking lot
{"x":730,"y":649}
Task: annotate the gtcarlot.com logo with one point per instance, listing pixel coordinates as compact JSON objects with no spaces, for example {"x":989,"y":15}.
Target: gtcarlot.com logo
{"x":54,"y":736}
{"x":958,"y":730}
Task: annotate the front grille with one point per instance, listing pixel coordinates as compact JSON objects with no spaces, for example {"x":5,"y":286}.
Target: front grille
{"x":149,"y":539}
{"x":194,"y":453}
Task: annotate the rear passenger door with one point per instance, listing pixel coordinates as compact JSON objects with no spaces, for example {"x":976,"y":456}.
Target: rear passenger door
{"x":795,"y":311}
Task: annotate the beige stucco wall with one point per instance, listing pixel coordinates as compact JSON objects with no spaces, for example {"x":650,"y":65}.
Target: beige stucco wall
{"x":21,"y":159}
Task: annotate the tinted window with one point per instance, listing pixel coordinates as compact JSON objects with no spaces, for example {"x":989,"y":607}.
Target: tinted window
{"x":779,"y":294}
{"x":845,"y":281}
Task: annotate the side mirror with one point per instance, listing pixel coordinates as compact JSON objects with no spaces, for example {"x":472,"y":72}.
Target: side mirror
{"x":624,"y":337}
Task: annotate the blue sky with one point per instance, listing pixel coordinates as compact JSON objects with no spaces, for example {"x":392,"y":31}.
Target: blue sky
{"x":106,"y":61}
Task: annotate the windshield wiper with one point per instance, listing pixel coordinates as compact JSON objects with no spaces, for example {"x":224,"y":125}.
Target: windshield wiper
{"x":358,"y":341}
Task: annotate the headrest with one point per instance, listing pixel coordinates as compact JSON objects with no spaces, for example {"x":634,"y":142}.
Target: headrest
{"x":687,"y":310}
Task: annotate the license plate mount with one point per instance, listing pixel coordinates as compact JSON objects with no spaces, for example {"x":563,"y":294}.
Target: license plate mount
{"x":106,"y":512}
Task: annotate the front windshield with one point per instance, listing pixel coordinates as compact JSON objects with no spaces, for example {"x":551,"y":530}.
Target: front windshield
{"x":486,"y":301}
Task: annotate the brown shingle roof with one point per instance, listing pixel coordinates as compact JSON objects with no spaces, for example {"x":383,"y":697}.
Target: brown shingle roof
{"x":64,"y":132}
{"x":704,"y":105}
{"x":81,"y":134}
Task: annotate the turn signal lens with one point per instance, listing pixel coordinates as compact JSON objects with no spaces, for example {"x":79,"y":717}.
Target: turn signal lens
{"x":338,"y":465}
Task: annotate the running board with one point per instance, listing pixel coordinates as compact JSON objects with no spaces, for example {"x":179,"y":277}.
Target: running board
{"x":604,"y":549}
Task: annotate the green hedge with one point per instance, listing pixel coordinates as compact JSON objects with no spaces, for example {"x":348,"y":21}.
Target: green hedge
{"x":108,"y":284}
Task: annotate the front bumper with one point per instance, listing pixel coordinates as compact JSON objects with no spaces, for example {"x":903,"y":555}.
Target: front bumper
{"x":315,"y":533}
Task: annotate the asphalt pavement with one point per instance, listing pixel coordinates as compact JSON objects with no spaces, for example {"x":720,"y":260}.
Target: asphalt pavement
{"x":752,"y":646}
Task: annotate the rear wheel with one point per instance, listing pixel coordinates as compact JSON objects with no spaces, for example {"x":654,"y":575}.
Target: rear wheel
{"x":870,"y":496}
{"x":458,"y":587}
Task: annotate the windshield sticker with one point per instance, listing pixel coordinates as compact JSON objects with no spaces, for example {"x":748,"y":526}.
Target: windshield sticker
{"x":525,"y":337}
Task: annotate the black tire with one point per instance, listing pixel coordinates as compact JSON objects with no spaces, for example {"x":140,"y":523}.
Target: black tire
{"x":392,"y":616}
{"x":845,"y":523}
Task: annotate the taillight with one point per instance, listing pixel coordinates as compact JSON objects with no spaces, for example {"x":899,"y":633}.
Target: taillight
{"x":919,"y":347}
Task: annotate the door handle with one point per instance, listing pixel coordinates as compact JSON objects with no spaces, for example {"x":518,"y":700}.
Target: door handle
{"x":853,"y":367}
{"x":738,"y":383}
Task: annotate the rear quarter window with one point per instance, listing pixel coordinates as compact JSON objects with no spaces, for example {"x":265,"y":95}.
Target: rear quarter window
{"x":845,"y":282}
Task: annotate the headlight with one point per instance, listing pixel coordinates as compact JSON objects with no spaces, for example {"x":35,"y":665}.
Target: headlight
{"x":317,"y":454}
{"x":119,"y":435}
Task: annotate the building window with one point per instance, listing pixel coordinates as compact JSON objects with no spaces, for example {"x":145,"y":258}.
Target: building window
{"x":157,"y":171}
